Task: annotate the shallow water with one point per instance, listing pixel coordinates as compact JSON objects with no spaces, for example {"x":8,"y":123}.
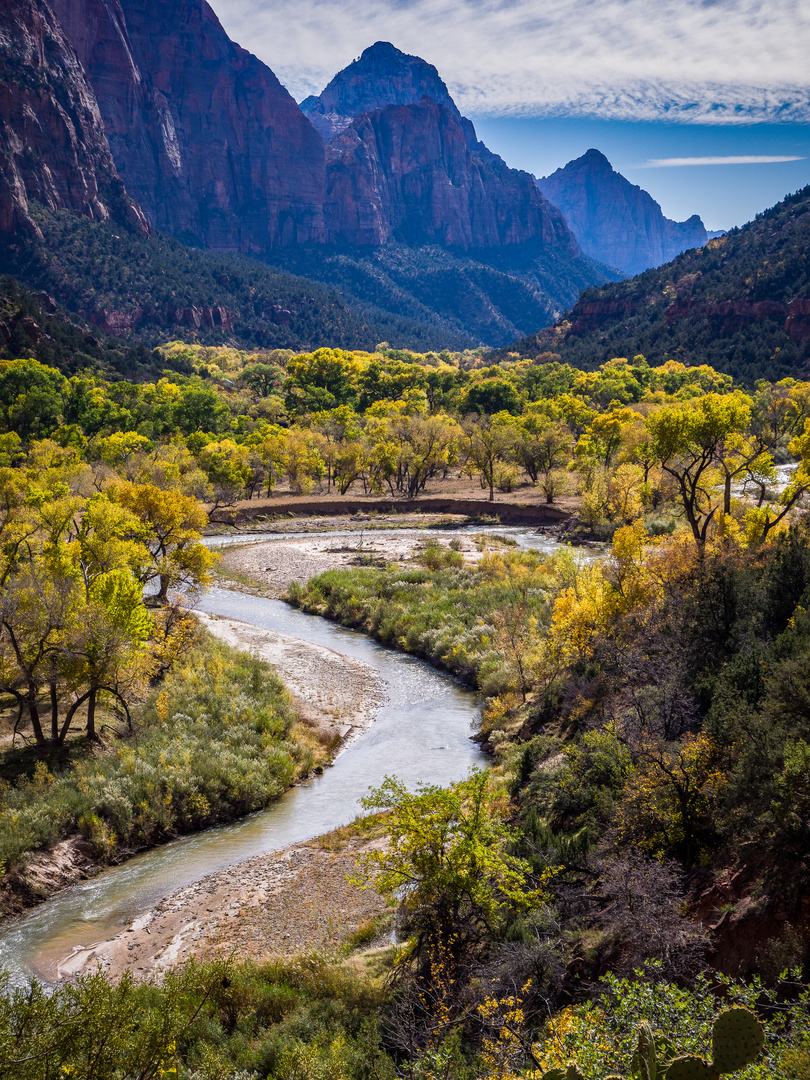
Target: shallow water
{"x":422,"y":733}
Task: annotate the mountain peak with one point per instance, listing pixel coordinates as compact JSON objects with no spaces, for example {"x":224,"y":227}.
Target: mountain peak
{"x":594,"y":159}
{"x":383,"y":48}
{"x":382,"y":75}
{"x":615,"y":221}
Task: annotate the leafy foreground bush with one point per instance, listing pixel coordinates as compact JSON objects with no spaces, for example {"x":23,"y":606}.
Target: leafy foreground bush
{"x":305,"y":1019}
{"x":601,"y":1035}
{"x":313,"y":1019}
{"x":214,"y":742}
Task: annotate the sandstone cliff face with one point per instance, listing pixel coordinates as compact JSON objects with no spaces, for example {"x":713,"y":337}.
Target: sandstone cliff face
{"x":52,"y":145}
{"x":407,"y":173}
{"x":615,"y":221}
{"x":381,"y":76}
{"x":203,"y":134}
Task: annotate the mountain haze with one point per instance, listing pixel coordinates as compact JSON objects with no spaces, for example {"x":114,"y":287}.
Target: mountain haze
{"x":615,"y":221}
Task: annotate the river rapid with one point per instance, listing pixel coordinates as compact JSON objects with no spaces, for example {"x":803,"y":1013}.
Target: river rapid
{"x":421,"y":734}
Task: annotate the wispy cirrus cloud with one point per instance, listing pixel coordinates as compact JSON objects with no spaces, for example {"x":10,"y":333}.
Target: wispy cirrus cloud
{"x":696,"y":61}
{"x":738,"y":159}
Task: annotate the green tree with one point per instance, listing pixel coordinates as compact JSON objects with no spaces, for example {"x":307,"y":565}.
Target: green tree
{"x":448,"y":863}
{"x":489,"y":441}
{"x":31,"y":398}
{"x":688,"y":442}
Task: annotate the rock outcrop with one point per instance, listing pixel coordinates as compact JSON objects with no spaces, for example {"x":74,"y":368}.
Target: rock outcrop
{"x":203,"y":134}
{"x":403,"y":164}
{"x":382,"y":75}
{"x":615,"y":221}
{"x":407,"y":173}
{"x":52,"y":144}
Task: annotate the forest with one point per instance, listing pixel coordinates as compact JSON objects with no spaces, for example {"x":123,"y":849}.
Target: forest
{"x":623,"y":890}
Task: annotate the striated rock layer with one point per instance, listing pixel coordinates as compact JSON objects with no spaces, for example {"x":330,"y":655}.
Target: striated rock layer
{"x":203,"y":134}
{"x":615,"y":221}
{"x":52,"y":144}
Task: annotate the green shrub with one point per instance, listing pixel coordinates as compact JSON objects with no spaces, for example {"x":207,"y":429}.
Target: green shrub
{"x":213,"y":742}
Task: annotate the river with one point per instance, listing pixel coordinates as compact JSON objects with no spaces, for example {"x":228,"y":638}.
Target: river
{"x":421,"y":733}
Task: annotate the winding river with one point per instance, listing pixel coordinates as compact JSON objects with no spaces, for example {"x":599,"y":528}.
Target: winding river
{"x":421,"y":733}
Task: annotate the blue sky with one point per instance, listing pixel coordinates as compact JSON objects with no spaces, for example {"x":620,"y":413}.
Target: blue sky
{"x":544,"y":80}
{"x":723,"y":195}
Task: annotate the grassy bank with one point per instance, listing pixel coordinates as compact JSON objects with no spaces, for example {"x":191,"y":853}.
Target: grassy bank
{"x":475,"y":621}
{"x":213,"y":742}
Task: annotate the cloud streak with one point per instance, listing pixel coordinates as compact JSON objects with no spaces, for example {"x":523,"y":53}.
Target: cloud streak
{"x":696,"y":61}
{"x":739,"y":159}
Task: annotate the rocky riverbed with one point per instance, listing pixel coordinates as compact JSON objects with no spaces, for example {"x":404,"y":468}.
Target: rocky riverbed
{"x":271,"y":566}
{"x":272,"y":905}
{"x":332,"y":693}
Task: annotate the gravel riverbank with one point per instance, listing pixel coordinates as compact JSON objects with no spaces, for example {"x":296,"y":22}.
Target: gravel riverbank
{"x":332,"y":693}
{"x":272,"y":905}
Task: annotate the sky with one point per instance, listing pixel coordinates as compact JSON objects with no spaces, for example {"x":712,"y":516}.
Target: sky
{"x":674,"y":92}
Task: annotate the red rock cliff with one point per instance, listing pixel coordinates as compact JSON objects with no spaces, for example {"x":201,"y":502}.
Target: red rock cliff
{"x":52,"y":145}
{"x":407,"y":173}
{"x":203,"y":134}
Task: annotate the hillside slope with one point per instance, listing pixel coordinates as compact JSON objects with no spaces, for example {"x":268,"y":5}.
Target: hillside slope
{"x":740,"y":304}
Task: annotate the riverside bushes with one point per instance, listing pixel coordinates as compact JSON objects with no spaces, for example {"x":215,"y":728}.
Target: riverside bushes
{"x":214,"y":741}
{"x":314,"y":1019}
{"x":474,"y":621}
{"x":306,"y":1019}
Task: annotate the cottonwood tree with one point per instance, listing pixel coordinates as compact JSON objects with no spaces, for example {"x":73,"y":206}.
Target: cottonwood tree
{"x":171,"y":553}
{"x":689,"y":442}
{"x":489,"y":440}
{"x":448,"y":863}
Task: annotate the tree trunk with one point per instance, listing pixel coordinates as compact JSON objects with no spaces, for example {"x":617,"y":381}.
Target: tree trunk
{"x":91,"y":716}
{"x":33,"y":712}
{"x":54,"y":714}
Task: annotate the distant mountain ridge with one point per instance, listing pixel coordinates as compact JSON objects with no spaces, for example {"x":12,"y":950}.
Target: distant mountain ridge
{"x":403,"y":163}
{"x":617,"y":222}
